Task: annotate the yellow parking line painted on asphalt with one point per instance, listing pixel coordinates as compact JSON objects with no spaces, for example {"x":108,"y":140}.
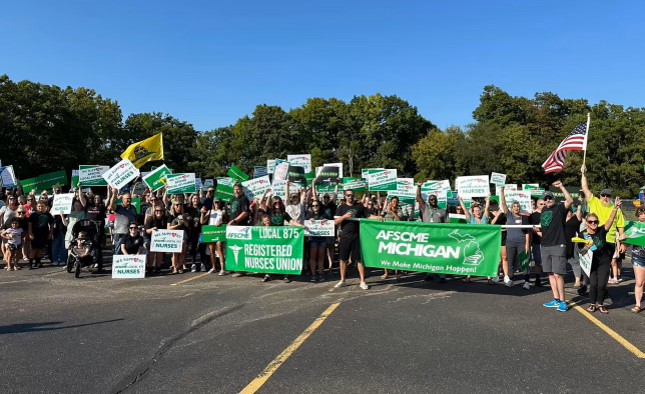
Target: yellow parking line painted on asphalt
{"x":189,"y":279}
{"x":625,"y":343}
{"x":273,"y":366}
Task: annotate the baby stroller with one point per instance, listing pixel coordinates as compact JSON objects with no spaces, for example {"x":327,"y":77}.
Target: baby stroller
{"x":82,"y":250}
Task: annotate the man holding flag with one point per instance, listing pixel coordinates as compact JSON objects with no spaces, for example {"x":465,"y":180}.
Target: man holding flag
{"x":150,"y":149}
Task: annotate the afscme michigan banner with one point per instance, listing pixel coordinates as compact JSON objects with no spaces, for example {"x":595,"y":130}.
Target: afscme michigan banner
{"x":457,"y":249}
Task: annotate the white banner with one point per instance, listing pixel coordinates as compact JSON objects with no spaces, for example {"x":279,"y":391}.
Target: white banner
{"x":255,"y":188}
{"x":437,"y":188}
{"x":62,"y":204}
{"x":121,"y":174}
{"x":319,"y":228}
{"x":129,"y":267}
{"x":167,"y":241}
{"x":472,"y":186}
{"x":180,"y":183}
{"x":497,"y":178}
{"x":91,"y":173}
{"x":300,"y":161}
{"x":585,"y":262}
{"x":523,"y":197}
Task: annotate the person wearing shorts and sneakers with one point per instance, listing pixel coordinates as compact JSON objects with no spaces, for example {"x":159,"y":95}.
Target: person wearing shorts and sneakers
{"x":349,"y":245}
{"x":638,"y":260}
{"x":553,"y":249}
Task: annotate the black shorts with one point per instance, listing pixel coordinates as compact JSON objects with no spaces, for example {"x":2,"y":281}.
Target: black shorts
{"x":349,"y":247}
{"x":12,"y":247}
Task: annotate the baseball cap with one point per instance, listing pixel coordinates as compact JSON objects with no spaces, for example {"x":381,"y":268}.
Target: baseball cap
{"x":606,"y":191}
{"x":547,"y":194}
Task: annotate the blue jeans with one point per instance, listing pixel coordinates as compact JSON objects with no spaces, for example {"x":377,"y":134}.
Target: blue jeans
{"x":59,"y":253}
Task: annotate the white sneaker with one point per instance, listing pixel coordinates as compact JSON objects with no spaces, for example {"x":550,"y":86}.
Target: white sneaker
{"x":363,"y":286}
{"x":340,"y":283}
{"x":508,"y":282}
{"x":211,"y":271}
{"x":222,"y":273}
{"x":526,"y":285}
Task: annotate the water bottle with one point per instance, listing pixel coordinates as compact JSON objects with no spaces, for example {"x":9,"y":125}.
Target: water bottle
{"x":641,"y":197}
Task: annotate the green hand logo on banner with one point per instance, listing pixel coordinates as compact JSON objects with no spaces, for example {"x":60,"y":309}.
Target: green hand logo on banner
{"x":471,"y":251}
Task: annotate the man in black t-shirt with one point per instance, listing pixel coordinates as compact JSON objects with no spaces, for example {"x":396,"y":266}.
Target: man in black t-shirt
{"x":240,"y":212}
{"x":553,"y":249}
{"x":349,"y":245}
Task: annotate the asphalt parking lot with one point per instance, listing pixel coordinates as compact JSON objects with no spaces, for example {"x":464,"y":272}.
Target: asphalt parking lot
{"x":201,"y":333}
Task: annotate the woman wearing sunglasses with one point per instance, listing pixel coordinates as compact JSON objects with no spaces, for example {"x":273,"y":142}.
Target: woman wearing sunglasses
{"x":601,"y":258}
{"x":317,"y":245}
{"x":156,"y":221}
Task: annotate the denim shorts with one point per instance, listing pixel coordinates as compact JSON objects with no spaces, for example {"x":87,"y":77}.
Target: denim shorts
{"x":638,"y":261}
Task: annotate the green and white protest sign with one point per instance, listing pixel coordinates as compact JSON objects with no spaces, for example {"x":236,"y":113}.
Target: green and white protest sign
{"x":169,"y":241}
{"x":507,"y":187}
{"x":180,"y":183}
{"x":472,"y":186}
{"x":320,"y":228}
{"x":129,"y":267}
{"x":213,"y":233}
{"x":524,"y":259}
{"x":498,"y":179}
{"x":44,"y":182}
{"x":440,"y":189}
{"x":156,"y":179}
{"x":121,"y":174}
{"x":270,"y":166}
{"x":458,"y":249}
{"x":259,"y":171}
{"x":303,"y":161}
{"x":62,"y":204}
{"x":278,"y":188}
{"x":534,"y":189}
{"x":585,"y":262}
{"x":224,"y":192}
{"x":457,"y":218}
{"x":91,"y":175}
{"x":267,"y":250}
{"x":281,"y":170}
{"x":237,"y":174}
{"x":382,"y":180}
{"x":366,"y":171}
{"x":198,"y":184}
{"x":522,"y":197}
{"x":635,"y":232}
{"x":8,"y":177}
{"x":255,"y":188}
{"x":355,"y":184}
{"x":74,"y":179}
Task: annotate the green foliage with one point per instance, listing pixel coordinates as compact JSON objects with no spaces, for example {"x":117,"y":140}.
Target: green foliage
{"x":46,"y":128}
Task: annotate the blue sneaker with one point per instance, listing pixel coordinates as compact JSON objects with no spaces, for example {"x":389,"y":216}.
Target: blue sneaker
{"x":563,"y":307}
{"x":553,"y":304}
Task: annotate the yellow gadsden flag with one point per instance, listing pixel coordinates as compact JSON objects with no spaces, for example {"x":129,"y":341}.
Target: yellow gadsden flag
{"x":141,"y":152}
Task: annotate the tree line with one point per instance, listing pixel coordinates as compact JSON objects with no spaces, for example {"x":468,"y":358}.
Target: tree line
{"x":46,"y":128}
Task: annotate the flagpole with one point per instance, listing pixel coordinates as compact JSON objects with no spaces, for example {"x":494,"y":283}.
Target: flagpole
{"x":584,"y":155}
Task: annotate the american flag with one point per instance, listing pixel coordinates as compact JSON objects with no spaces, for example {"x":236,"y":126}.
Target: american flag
{"x":576,"y":140}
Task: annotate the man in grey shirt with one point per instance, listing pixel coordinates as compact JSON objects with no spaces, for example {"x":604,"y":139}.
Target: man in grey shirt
{"x":431,"y":213}
{"x":125,"y":214}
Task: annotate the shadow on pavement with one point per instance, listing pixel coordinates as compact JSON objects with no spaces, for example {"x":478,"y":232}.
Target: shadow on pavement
{"x":33,"y":327}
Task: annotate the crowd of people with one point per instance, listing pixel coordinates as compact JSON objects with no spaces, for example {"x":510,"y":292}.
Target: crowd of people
{"x":31,"y":233}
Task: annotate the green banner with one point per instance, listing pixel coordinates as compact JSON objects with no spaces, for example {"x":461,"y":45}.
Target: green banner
{"x":635,"y":232}
{"x":525,"y":259}
{"x":44,"y":182}
{"x":267,"y":250}
{"x":224,"y":192}
{"x":237,"y":174}
{"x":92,"y":171}
{"x":156,"y":179}
{"x":457,"y":249}
{"x":213,"y":233}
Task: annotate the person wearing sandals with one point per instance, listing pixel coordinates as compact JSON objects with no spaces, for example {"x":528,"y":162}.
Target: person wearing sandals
{"x":638,"y":261}
{"x":601,"y":258}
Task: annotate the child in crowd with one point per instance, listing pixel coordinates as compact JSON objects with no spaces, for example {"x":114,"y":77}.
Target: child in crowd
{"x":14,"y":236}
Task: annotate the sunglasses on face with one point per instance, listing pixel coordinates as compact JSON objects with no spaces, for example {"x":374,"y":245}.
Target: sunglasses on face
{"x":349,"y":195}
{"x":593,"y":221}
{"x":605,"y":195}
{"x":315,"y":205}
{"x":20,"y":213}
{"x":547,"y":198}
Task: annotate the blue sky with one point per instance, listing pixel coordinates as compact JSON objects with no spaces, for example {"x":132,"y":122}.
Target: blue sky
{"x":211,"y":62}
